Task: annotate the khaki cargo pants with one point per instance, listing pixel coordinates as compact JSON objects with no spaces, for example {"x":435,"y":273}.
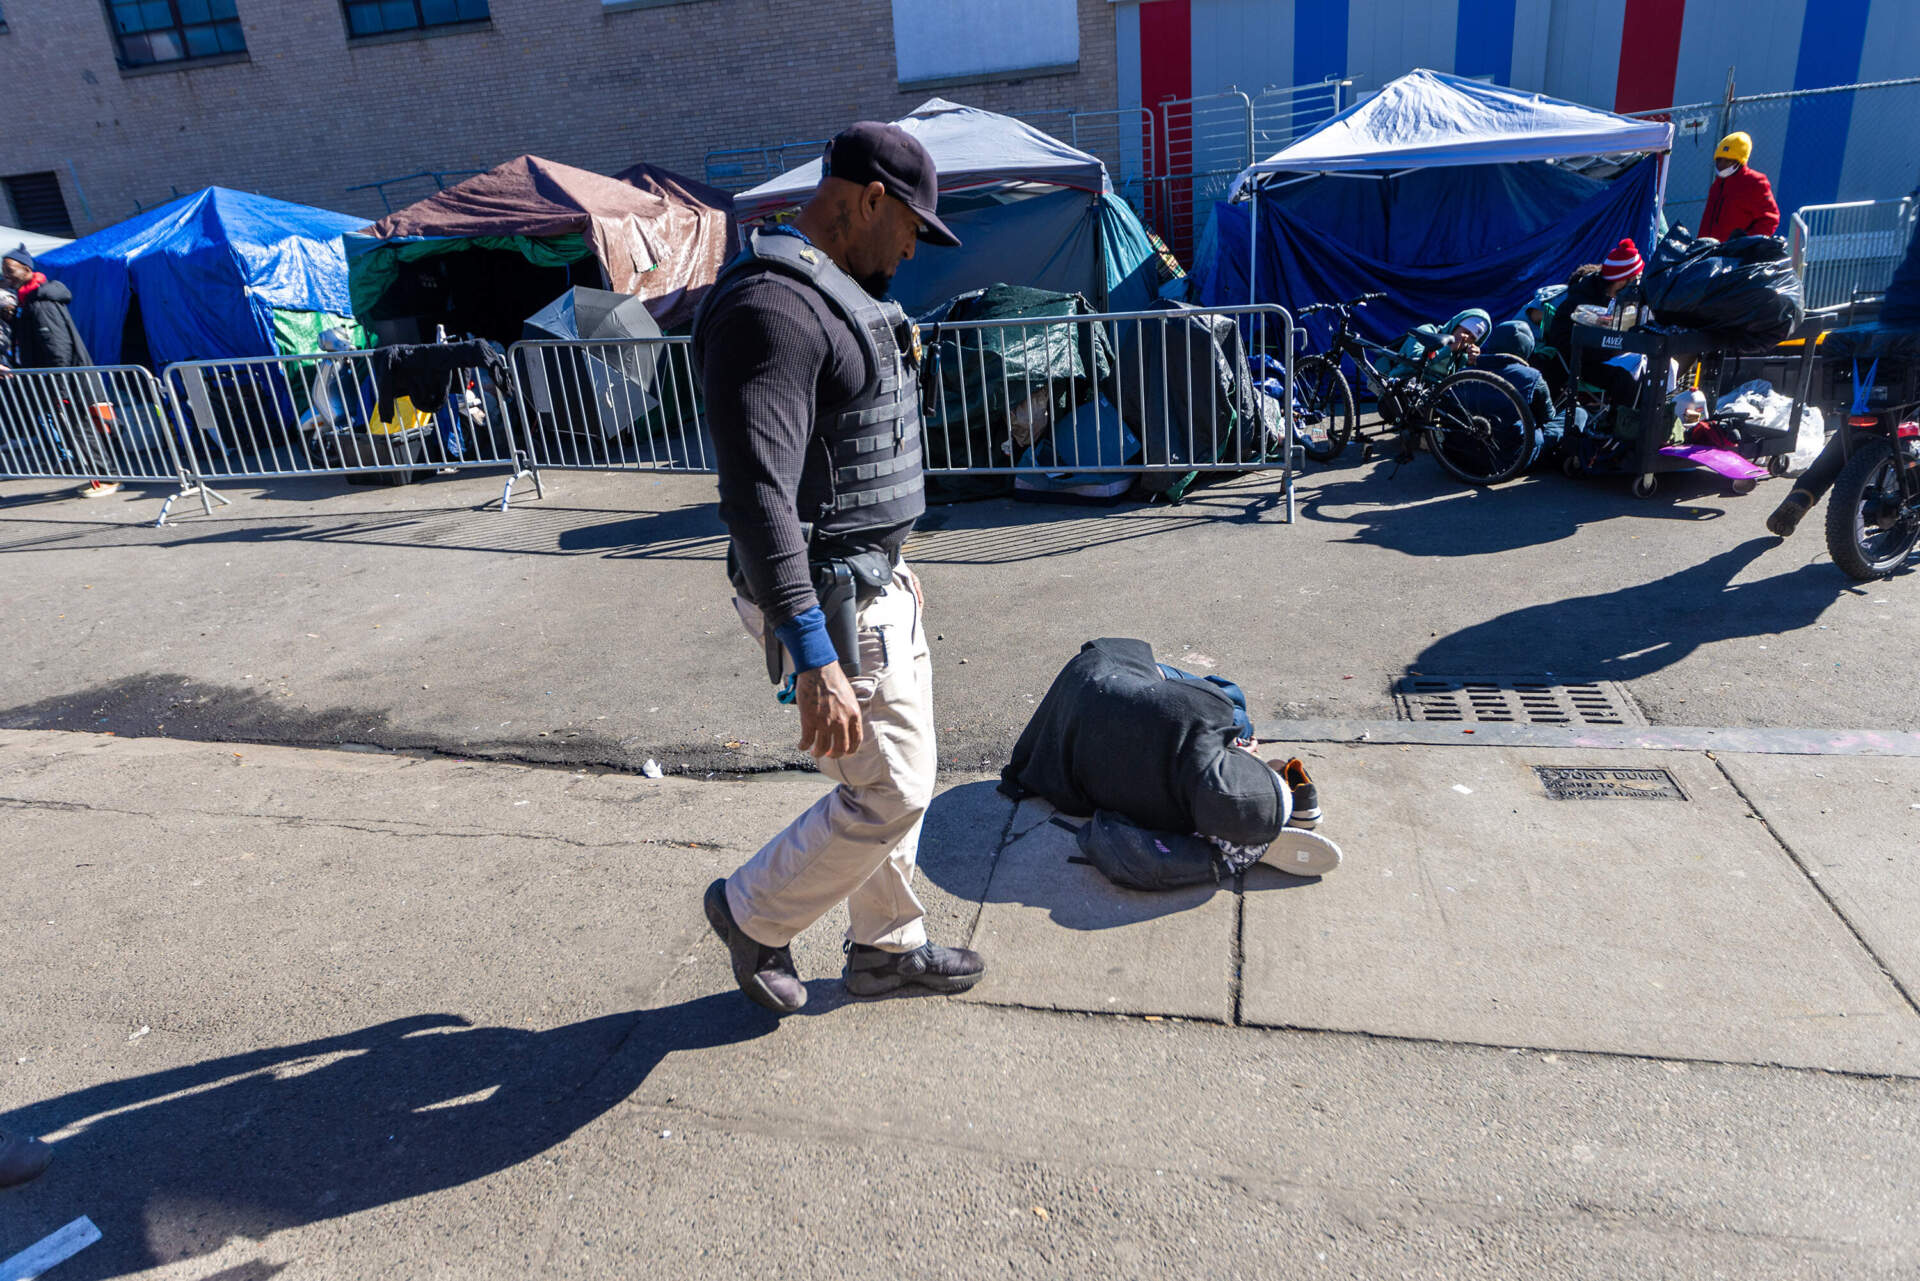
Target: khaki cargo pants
{"x":859,"y":841}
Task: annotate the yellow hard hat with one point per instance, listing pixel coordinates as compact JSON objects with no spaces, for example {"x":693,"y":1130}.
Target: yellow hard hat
{"x":1736,"y":147}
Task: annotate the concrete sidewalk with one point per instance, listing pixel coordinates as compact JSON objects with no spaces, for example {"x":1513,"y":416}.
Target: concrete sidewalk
{"x":350,"y":1014}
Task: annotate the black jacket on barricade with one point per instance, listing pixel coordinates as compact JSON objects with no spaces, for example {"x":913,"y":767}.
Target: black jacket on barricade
{"x":1114,"y":734}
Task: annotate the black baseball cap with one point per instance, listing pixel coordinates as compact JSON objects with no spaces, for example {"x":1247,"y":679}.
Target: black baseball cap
{"x":869,"y":151}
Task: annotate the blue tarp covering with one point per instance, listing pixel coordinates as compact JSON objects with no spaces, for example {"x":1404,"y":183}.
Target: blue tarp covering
{"x":210,"y":270}
{"x":1434,"y":241}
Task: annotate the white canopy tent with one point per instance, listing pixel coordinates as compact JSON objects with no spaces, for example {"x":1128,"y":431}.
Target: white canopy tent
{"x":37,"y":244}
{"x":1430,"y":120}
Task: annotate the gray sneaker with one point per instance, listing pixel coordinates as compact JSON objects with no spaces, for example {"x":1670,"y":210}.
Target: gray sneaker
{"x":21,"y":1159}
{"x":765,"y":974}
{"x":870,"y":971}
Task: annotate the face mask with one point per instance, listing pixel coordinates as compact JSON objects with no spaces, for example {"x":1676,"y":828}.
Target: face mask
{"x":1725,"y":170}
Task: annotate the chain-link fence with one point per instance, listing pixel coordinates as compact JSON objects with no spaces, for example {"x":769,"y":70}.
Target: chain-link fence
{"x":1819,"y":147}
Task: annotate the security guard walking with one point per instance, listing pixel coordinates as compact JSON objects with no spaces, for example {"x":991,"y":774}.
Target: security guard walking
{"x":813,"y":400}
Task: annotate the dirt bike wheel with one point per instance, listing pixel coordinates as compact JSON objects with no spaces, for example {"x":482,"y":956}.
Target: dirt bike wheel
{"x":1863,"y":539}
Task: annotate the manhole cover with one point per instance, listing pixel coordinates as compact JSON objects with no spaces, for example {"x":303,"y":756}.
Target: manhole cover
{"x":1570,"y":784}
{"x":1514,"y":701}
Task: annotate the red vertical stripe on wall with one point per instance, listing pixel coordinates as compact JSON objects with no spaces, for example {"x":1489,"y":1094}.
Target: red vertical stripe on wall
{"x":1649,"y":54}
{"x":1166,"y":71}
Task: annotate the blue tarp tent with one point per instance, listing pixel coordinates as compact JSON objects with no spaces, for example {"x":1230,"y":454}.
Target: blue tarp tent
{"x":217,"y":274}
{"x":1441,"y":193}
{"x":1028,"y":208}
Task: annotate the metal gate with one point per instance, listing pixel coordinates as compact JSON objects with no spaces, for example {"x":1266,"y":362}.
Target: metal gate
{"x":105,"y":423}
{"x":278,"y":417}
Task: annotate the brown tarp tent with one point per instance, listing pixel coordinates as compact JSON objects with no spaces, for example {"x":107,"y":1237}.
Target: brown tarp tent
{"x":482,"y":256}
{"x":705,"y":236}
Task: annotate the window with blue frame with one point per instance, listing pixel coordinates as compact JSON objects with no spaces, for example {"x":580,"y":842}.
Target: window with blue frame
{"x":378,"y":17}
{"x":156,"y":31}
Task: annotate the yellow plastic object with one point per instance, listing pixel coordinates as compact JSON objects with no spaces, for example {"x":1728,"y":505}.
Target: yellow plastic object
{"x":1737,"y":147}
{"x":405,"y":418}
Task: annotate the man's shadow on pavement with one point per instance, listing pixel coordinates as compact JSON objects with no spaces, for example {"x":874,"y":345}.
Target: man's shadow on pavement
{"x":1635,"y":631}
{"x":178,"y":1163}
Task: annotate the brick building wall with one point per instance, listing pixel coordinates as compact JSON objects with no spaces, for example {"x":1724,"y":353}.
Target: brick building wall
{"x":307,"y":115}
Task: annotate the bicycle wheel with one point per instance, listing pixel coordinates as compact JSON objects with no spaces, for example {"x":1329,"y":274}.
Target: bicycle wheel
{"x":1478,"y":428}
{"x":1323,"y":407}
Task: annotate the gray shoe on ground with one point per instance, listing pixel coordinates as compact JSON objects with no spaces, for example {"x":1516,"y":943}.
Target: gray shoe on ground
{"x":873,"y":972}
{"x":21,"y":1159}
{"x":765,"y":974}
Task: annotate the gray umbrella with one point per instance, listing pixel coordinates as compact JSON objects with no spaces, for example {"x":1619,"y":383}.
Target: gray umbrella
{"x":601,"y":384}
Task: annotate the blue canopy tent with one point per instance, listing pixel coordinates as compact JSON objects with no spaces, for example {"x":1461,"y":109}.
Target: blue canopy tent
{"x":1028,"y":208}
{"x":1443,"y":194}
{"x":218,"y":274}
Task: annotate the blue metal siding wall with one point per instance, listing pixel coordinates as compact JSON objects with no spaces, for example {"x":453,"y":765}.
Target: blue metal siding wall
{"x":1830,"y":44}
{"x":1759,"y":38}
{"x":1388,"y":38}
{"x":1320,"y":34}
{"x":1874,"y":165}
{"x":1583,"y":51}
{"x":1483,"y":40}
{"x":1248,"y":43}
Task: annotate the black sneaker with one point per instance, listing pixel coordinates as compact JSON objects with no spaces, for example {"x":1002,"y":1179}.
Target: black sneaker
{"x":1786,"y":517}
{"x":871,"y":971}
{"x":765,"y":974}
{"x":1306,"y":797}
{"x":21,"y":1159}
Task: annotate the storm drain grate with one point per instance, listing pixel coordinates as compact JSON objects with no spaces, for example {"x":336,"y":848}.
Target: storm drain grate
{"x":1503,"y":700}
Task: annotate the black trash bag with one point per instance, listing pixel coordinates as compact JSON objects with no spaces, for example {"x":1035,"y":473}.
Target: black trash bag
{"x":1137,"y":858}
{"x":1186,"y":392}
{"x":1744,"y":294}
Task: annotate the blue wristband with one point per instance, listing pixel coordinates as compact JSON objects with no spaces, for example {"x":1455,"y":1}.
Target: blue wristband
{"x":805,"y":636}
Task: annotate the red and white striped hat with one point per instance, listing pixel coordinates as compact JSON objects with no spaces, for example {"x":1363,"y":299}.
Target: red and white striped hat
{"x":1623,"y":263}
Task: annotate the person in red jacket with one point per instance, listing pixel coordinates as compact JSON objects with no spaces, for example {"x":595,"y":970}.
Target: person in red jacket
{"x":1740,"y":202}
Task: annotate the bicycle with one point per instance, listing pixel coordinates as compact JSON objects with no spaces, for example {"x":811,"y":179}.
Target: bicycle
{"x":1475,"y":424}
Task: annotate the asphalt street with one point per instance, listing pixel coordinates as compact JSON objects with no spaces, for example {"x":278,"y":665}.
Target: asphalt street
{"x":444,"y":1004}
{"x":594,"y":626}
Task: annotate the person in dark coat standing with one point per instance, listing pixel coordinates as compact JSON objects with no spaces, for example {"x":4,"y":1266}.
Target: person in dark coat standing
{"x":45,"y":337}
{"x":1740,"y":202}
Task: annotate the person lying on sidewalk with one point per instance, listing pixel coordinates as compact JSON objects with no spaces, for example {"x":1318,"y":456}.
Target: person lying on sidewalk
{"x":1118,"y":732}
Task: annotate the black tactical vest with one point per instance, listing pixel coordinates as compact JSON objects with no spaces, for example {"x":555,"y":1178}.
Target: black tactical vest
{"x":872,"y":442}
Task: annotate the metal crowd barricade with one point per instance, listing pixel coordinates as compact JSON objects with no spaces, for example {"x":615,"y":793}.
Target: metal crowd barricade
{"x":105,"y":423}
{"x":1120,"y":393}
{"x":265,"y":418}
{"x":625,"y":404}
{"x":1844,"y":251}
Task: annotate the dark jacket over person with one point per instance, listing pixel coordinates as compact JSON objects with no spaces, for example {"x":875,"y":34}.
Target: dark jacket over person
{"x":1740,"y":204}
{"x":1582,"y":290}
{"x":1506,"y":354}
{"x":44,"y":334}
{"x":1114,"y":734}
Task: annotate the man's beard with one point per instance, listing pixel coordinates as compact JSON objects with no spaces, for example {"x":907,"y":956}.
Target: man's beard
{"x":876,"y":283}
